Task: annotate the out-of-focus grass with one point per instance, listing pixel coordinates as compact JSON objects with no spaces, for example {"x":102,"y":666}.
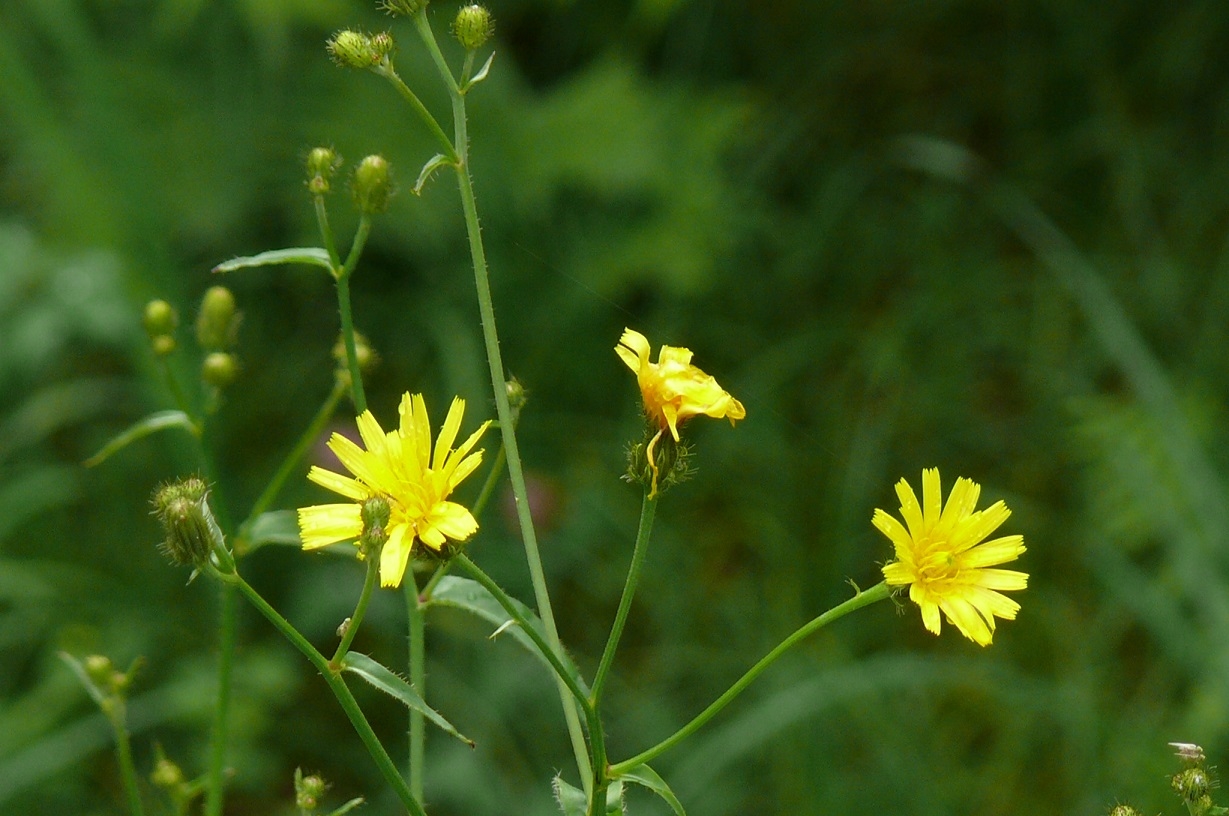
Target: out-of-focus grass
{"x":721,"y":177}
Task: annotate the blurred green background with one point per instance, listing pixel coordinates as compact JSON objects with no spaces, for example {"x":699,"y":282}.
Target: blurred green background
{"x":988,"y":237}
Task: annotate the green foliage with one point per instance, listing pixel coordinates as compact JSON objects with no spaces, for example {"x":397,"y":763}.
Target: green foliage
{"x":726,"y":177}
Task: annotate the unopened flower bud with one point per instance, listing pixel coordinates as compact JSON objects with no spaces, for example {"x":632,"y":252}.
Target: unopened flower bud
{"x":1192,"y":784}
{"x":322,"y":163}
{"x":353,"y":49}
{"x":159,"y":318}
{"x":217,"y":324}
{"x":219,"y":369}
{"x":163,"y":345}
{"x":166,"y":774}
{"x":367,"y":357}
{"x":473,"y":26}
{"x":373,"y":185}
{"x":191,"y":532}
{"x":517,"y":395}
{"x":406,"y":7}
{"x":1123,"y":810}
{"x":308,"y":790}
{"x":99,"y":669}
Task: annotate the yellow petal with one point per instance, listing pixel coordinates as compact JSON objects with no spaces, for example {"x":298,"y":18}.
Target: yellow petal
{"x":342,"y":485}
{"x":323,"y":524}
{"x":394,"y":556}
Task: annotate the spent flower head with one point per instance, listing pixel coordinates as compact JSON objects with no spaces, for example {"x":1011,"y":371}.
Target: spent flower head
{"x":400,"y":468}
{"x":673,"y":391}
{"x":942,"y":556}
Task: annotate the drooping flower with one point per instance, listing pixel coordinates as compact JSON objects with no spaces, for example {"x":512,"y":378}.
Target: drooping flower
{"x":398,"y":466}
{"x":942,"y":556}
{"x":673,"y":390}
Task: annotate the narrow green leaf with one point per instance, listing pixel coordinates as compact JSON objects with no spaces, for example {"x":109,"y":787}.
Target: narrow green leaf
{"x":481,"y":75}
{"x":646,"y":776}
{"x":434,"y":163}
{"x":396,"y":687}
{"x":275,"y":527}
{"x":294,"y":255}
{"x":467,"y":594}
{"x":348,"y":806}
{"x":571,"y":800}
{"x":153,"y":423}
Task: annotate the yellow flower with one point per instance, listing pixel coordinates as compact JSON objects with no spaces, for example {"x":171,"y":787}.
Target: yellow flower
{"x":398,"y":466}
{"x":942,"y":557}
{"x":673,"y":390}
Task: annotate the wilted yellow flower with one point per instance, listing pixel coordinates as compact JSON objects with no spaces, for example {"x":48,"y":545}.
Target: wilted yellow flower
{"x":673,"y":389}
{"x":942,"y":557}
{"x":398,"y":466}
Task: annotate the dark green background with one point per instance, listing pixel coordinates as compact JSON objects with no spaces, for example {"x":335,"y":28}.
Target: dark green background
{"x":781,"y":186}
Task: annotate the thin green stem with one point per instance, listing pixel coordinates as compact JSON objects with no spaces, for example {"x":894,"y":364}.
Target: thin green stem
{"x":647,"y":511}
{"x":123,"y":749}
{"x":507,"y":425}
{"x":215,"y":791}
{"x":177,"y":393}
{"x":418,"y":679}
{"x":326,"y":231}
{"x":306,"y":440}
{"x":360,"y":610}
{"x":861,"y":599}
{"x":347,"y":334}
{"x":339,"y":688}
{"x":423,"y":27}
{"x":408,"y":95}
{"x":516,"y":472}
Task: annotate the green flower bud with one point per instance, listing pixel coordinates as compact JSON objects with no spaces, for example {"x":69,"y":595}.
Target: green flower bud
{"x":406,"y":7}
{"x":373,"y":185}
{"x":517,"y":395}
{"x":308,"y":790}
{"x":166,"y":774}
{"x":383,"y":45}
{"x":1191,"y":784}
{"x":163,"y":345}
{"x":159,"y":319}
{"x":473,"y":26}
{"x":375,"y":514}
{"x":100,"y":670}
{"x":191,"y":532}
{"x":352,"y":49}
{"x":322,"y":163}
{"x":217,"y":324}
{"x":1123,"y":810}
{"x":219,"y":369}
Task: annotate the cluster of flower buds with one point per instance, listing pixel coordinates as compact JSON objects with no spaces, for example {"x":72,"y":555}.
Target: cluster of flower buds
{"x":217,"y":329}
{"x":356,"y":49}
{"x":160,"y":321}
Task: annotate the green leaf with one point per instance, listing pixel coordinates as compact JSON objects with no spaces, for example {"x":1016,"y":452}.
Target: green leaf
{"x":78,"y":669}
{"x":464,"y":593}
{"x":153,"y":423}
{"x":388,"y":682}
{"x":646,"y":776}
{"x":293,"y":255}
{"x":434,"y":163}
{"x":276,"y":527}
{"x":571,"y":800}
{"x":481,"y":75}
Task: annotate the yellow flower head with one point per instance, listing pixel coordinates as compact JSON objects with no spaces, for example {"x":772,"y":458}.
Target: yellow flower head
{"x":673,"y":389}
{"x":942,"y":557}
{"x":398,"y":466}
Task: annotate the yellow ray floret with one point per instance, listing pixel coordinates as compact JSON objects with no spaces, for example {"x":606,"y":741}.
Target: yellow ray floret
{"x":944,"y":559}
{"x":673,"y":389}
{"x":401,"y":467}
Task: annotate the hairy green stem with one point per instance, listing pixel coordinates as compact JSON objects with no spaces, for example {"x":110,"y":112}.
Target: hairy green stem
{"x":326,"y":232}
{"x":861,"y":599}
{"x":647,"y":511}
{"x":418,"y":679}
{"x":360,"y":610}
{"x":459,"y":153}
{"x":339,"y":688}
{"x":215,"y":791}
